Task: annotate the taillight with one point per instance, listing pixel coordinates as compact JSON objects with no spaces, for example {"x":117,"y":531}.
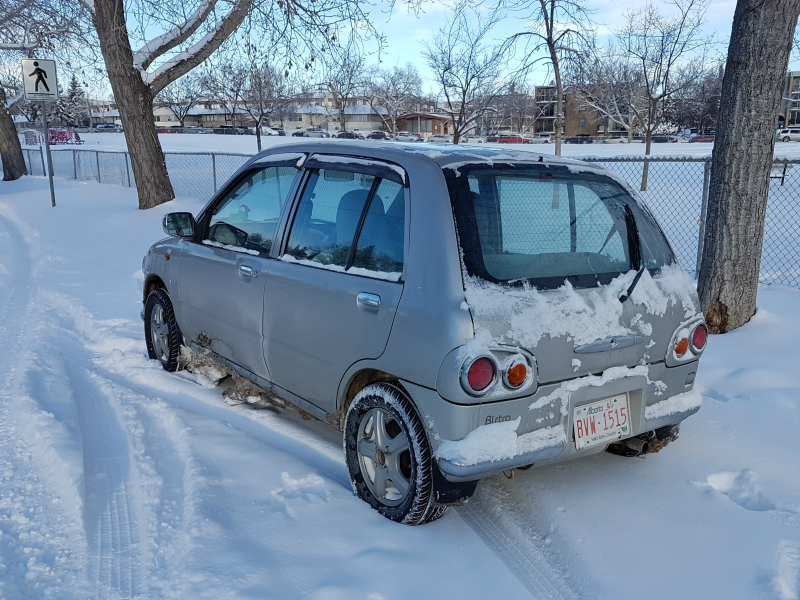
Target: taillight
{"x":515,"y":375}
{"x":681,"y":346}
{"x":699,"y":337}
{"x":481,"y":374}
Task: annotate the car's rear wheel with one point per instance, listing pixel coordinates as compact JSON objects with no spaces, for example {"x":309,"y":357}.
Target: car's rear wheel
{"x":388,"y":456}
{"x":786,"y":139}
{"x":161,"y":331}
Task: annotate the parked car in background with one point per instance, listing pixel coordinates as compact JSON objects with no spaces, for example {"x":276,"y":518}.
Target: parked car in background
{"x":107,"y":127}
{"x":614,"y":140}
{"x":232,"y":130}
{"x":660,"y":138}
{"x":377,"y":135}
{"x":193,"y":129}
{"x":702,"y":137}
{"x":788,"y":135}
{"x":407,"y":136}
{"x":348,"y":135}
{"x":377,"y":297}
{"x":541,"y":138}
{"x":440,"y":138}
{"x":298,"y":133}
{"x":315,"y":132}
{"x":581,"y":138}
{"x":274,"y":131}
{"x":513,"y":138}
{"x":474,"y":139}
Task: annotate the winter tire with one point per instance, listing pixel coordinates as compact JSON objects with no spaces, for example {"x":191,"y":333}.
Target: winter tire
{"x":388,"y":456}
{"x":786,"y":139}
{"x":161,"y":331}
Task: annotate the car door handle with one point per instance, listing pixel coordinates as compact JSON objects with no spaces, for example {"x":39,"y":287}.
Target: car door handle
{"x":247,"y":271}
{"x":368,"y":301}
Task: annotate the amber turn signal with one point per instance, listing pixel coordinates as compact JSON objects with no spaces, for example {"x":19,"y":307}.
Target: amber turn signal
{"x":515,"y":376}
{"x":681,"y":346}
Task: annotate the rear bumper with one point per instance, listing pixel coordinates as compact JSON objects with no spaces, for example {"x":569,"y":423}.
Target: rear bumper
{"x":652,"y":405}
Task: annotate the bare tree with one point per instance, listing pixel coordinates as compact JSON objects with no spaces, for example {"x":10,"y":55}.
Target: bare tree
{"x":669,"y":51}
{"x":191,"y":34}
{"x":26,"y":26}
{"x":610,"y":83}
{"x":182,"y":95}
{"x":267,"y":91}
{"x":558,"y":30}
{"x":466,"y":69}
{"x":758,"y":56}
{"x":698,"y":104}
{"x":343,"y":79}
{"x":392,"y":92}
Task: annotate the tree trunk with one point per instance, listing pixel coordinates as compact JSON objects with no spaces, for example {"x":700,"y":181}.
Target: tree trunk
{"x":258,"y":133}
{"x":758,"y":56}
{"x":135,"y":104}
{"x":10,"y":149}
{"x":559,"y":101}
{"x":648,"y":140}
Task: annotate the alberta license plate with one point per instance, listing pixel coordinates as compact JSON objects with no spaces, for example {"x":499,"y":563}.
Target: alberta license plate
{"x":601,"y":422}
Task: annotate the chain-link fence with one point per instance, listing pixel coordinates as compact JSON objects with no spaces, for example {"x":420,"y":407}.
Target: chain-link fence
{"x":677,"y":191}
{"x":194,"y":174}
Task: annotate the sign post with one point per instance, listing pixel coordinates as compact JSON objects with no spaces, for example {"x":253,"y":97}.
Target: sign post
{"x":40,"y":83}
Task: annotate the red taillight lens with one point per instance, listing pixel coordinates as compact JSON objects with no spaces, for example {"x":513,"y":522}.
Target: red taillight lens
{"x":480,"y":374}
{"x":699,"y":337}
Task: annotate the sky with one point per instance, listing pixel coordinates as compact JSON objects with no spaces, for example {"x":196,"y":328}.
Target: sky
{"x":406,"y":33}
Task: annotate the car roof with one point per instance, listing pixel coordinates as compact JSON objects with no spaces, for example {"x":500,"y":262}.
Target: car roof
{"x":442,"y":155}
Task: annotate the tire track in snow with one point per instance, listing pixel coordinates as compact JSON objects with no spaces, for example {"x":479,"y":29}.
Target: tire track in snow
{"x":109,"y":516}
{"x":492,"y":516}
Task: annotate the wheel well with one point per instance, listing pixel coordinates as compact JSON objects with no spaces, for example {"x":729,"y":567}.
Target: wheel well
{"x":153,"y":282}
{"x":358,"y":382}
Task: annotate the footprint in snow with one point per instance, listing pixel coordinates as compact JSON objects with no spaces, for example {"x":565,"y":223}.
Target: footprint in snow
{"x":309,"y":486}
{"x":741,"y":487}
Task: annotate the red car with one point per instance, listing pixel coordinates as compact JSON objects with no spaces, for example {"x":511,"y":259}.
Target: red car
{"x":513,"y":138}
{"x":702,"y":138}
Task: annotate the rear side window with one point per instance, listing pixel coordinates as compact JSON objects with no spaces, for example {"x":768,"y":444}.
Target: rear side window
{"x":545,"y":227}
{"x":248,"y":216}
{"x":350,"y":222}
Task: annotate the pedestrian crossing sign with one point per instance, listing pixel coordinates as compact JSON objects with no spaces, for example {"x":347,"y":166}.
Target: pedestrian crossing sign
{"x":39,"y":79}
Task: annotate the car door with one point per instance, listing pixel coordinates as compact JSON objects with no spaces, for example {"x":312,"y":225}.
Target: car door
{"x":223,"y":270}
{"x":333,"y":290}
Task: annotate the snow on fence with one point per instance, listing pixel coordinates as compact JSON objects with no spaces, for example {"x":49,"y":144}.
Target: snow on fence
{"x":677,"y":192}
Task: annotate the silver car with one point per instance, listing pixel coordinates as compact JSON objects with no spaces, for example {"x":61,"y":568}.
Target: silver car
{"x":455,"y":314}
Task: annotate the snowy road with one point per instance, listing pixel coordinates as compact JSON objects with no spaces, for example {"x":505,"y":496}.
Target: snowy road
{"x":118,"y":480}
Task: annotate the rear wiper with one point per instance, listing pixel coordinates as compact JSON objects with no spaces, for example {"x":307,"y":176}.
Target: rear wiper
{"x":634,"y":250}
{"x":636,"y":279}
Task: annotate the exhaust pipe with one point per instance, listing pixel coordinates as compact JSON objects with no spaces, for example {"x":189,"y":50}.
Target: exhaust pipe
{"x":631,"y":447}
{"x":637,"y":445}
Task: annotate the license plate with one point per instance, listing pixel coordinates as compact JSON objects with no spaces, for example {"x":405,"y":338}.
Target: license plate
{"x":601,"y":422}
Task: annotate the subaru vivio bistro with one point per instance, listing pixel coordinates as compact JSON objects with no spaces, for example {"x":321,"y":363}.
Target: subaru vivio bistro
{"x":455,"y":312}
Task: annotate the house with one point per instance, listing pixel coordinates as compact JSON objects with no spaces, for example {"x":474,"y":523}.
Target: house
{"x":578,"y":117}
{"x":425,"y":123}
{"x":790,"y":102}
{"x":362,"y":117}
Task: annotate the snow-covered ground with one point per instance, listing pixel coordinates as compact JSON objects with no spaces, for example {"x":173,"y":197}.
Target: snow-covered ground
{"x":118,"y":480}
{"x":246,"y":144}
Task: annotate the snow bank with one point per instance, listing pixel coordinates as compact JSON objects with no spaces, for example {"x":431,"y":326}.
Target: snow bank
{"x":497,"y":441}
{"x":582,"y":317}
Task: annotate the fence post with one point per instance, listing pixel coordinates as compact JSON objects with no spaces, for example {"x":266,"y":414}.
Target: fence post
{"x":703,"y":214}
{"x":214,"y":170}
{"x":127,"y":169}
{"x":74,"y":164}
{"x":97,"y":161}
{"x":41,"y":150}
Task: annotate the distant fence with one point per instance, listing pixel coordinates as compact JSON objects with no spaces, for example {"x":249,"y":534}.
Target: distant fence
{"x":677,"y":193}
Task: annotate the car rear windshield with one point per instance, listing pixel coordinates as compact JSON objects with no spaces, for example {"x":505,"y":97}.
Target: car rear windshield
{"x":547,"y":225}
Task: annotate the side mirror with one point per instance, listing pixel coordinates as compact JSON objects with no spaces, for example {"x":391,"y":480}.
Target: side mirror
{"x":179,"y":224}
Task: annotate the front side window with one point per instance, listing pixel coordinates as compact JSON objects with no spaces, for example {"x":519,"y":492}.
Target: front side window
{"x":248,"y":216}
{"x":350,"y":222}
{"x":536,"y":225}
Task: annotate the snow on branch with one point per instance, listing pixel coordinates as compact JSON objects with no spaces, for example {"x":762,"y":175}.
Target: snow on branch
{"x":156,"y":47}
{"x":198,"y":52}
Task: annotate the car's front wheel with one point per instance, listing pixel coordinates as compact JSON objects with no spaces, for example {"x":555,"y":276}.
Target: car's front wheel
{"x":388,"y":456}
{"x":161,"y":331}
{"x":786,"y":139}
